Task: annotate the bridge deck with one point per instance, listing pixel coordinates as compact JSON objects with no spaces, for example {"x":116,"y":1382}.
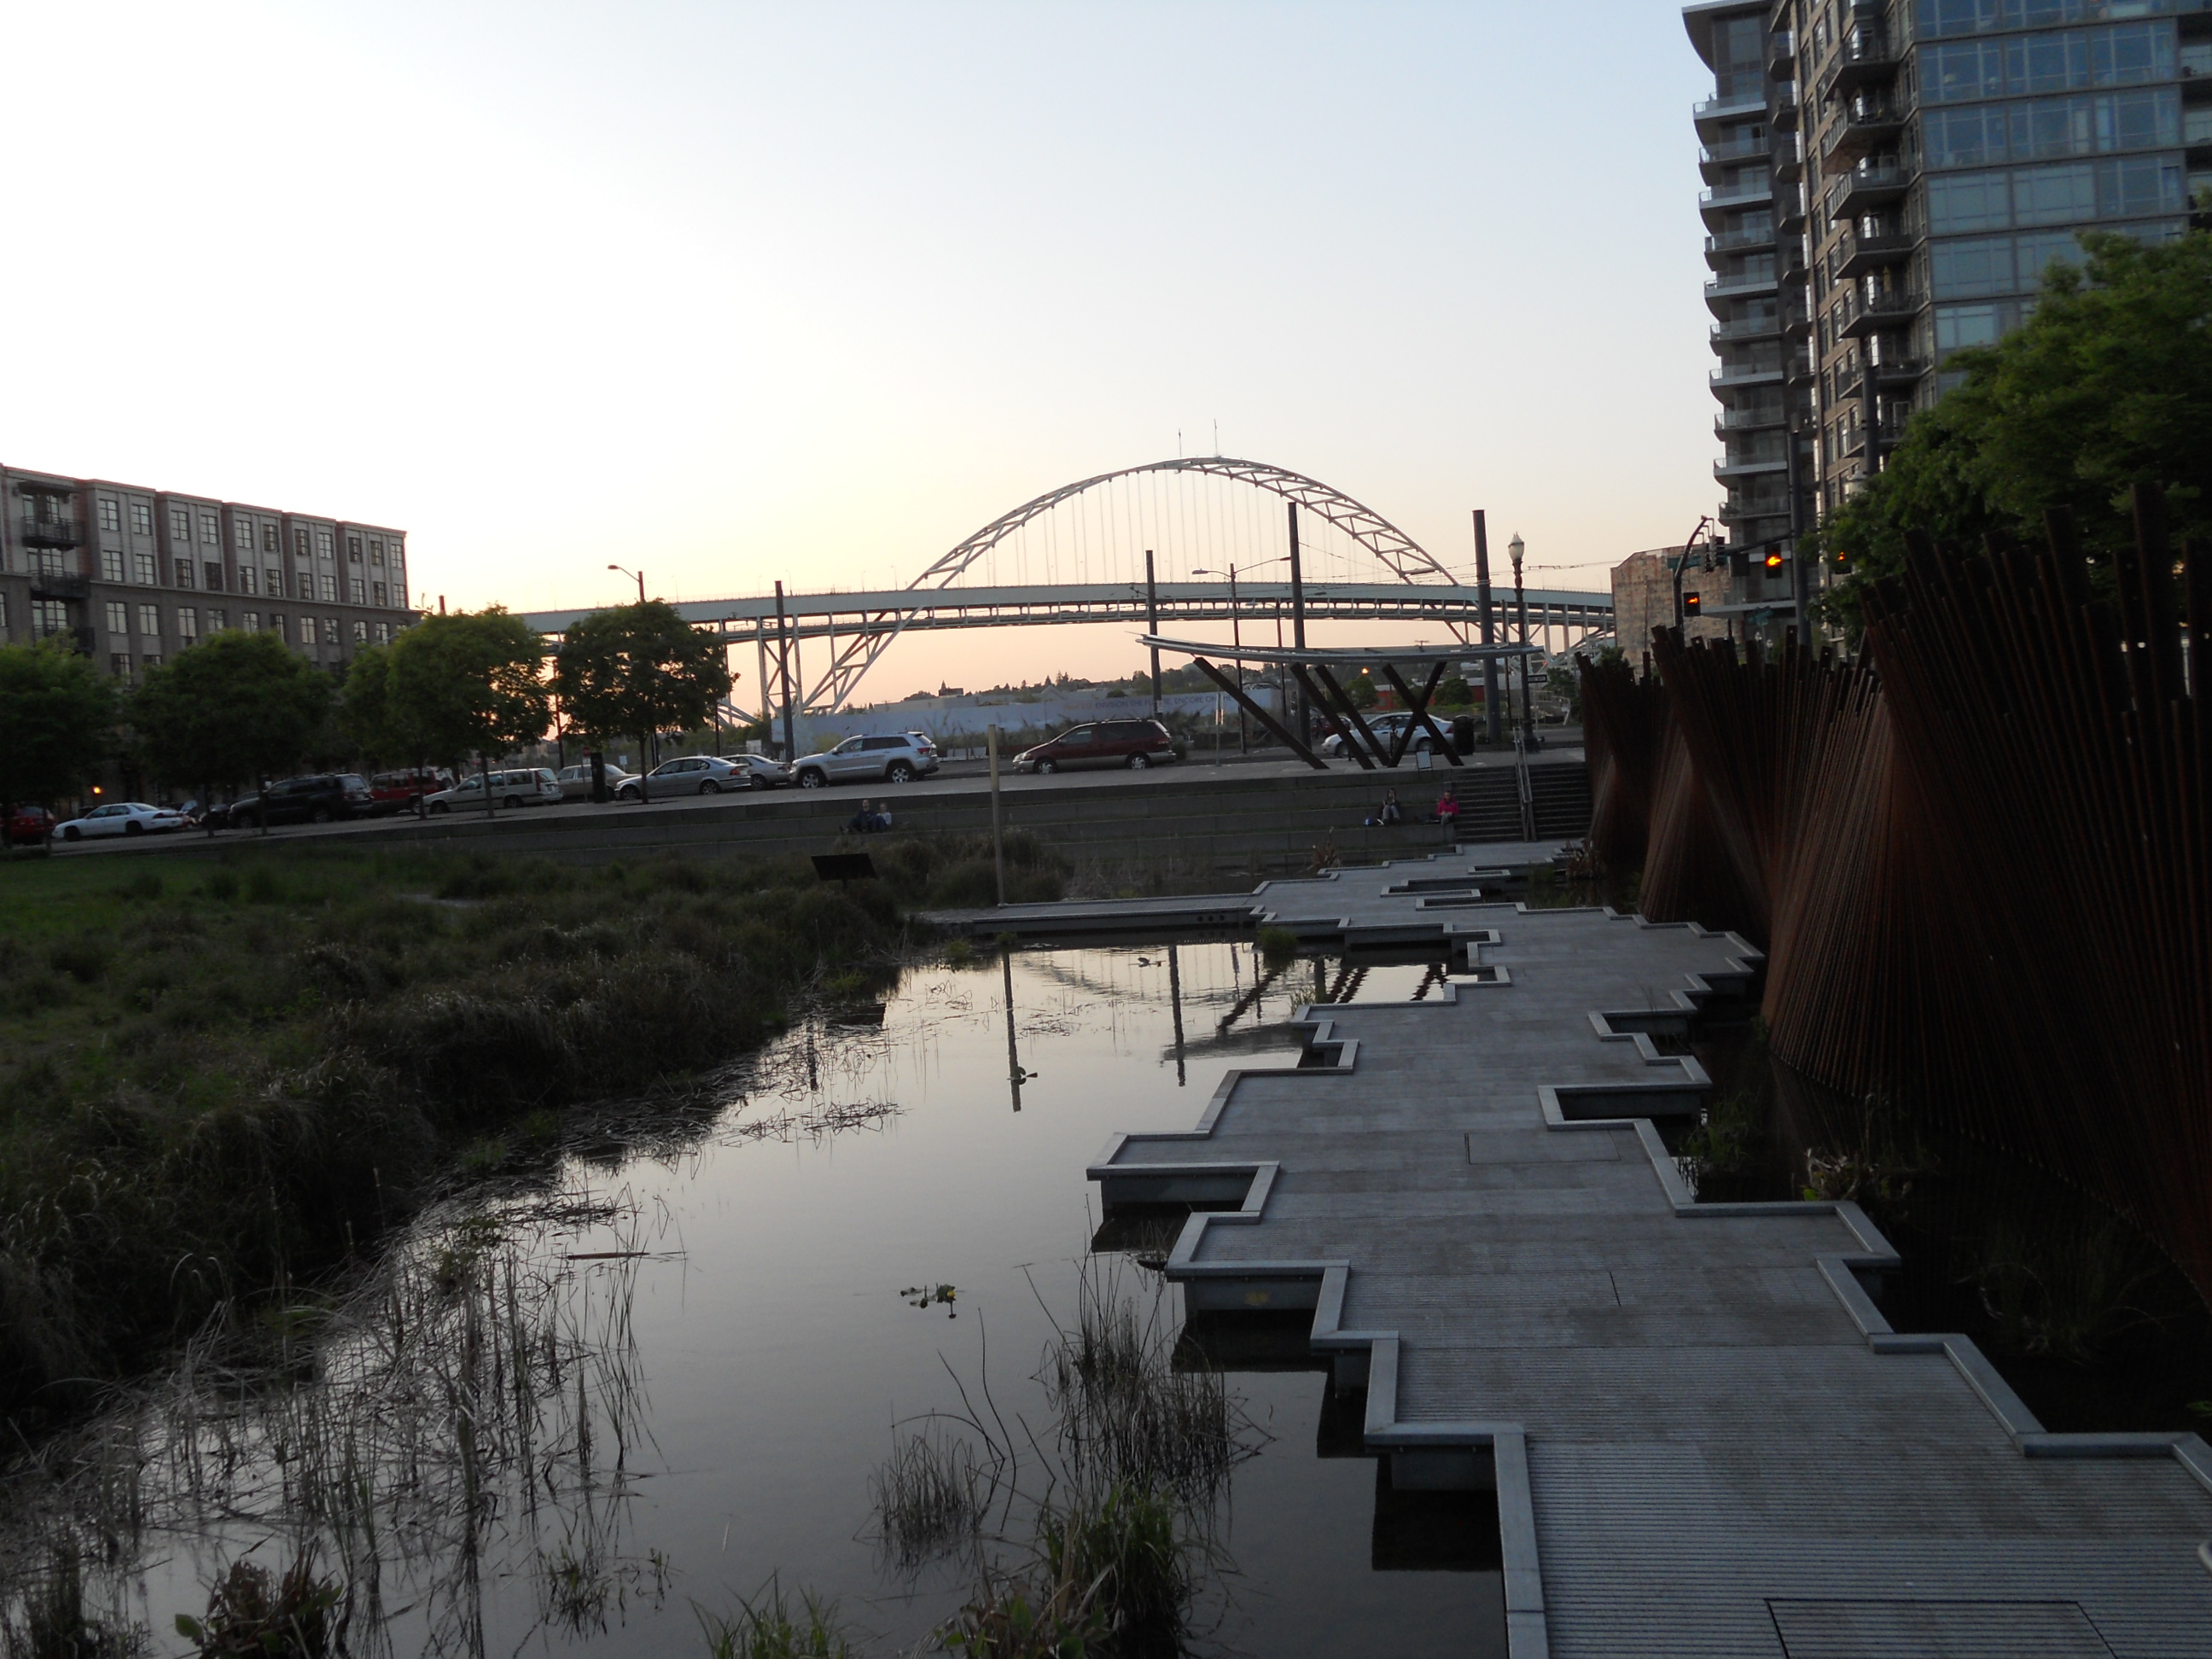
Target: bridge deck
{"x":1704,"y":1438}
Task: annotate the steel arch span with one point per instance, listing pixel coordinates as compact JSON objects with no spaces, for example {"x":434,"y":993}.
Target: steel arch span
{"x":1398,"y":553}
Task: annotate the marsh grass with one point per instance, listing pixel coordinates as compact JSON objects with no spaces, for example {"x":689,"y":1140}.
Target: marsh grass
{"x":216,"y":1085}
{"x":767,"y":1625}
{"x":469,"y":1409}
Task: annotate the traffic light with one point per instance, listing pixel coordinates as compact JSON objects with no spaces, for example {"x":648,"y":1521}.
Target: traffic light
{"x":1692,"y":604}
{"x":1773,"y":560}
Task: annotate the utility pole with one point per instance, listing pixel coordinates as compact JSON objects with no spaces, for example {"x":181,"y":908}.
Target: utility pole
{"x":783,"y":672}
{"x":1298,"y":625}
{"x":998,"y":836}
{"x":1800,"y":579}
{"x":1516,"y":547}
{"x":1489,"y":628}
{"x":1152,"y":617}
{"x":1236,"y":639}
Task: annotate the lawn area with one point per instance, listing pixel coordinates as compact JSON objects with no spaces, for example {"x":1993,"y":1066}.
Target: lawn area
{"x":219,"y":1078}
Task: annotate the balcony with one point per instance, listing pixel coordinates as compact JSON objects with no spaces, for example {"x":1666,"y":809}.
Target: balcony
{"x":1871,"y":122}
{"x":1749,"y":466}
{"x":1730,"y":374}
{"x":1782,"y":109}
{"x":1734,"y":152}
{"x":1859,"y":316}
{"x":1745,"y":193}
{"x":1854,"y":255}
{"x":1746,"y":328}
{"x":48,"y":584}
{"x":1900,"y":371}
{"x":1790,"y":209}
{"x":1782,"y":54}
{"x":1866,"y":56}
{"x":1739,"y":284}
{"x":1869,"y":186}
{"x":1743,"y":509}
{"x":1788,"y":156}
{"x":1731,"y":106}
{"x":1850,"y":379}
{"x":1741,"y":242}
{"x":53,"y":532}
{"x":1756,"y":418}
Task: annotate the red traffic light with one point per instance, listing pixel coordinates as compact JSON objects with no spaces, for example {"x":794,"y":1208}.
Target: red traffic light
{"x":1774,"y":558}
{"x":1694,"y":603}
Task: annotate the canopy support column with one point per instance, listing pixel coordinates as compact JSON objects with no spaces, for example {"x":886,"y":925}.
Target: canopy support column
{"x":1419,"y":706}
{"x":1337,"y":691}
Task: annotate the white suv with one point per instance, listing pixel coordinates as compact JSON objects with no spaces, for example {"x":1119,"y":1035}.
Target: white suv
{"x":900,"y":757}
{"x":529,"y":786}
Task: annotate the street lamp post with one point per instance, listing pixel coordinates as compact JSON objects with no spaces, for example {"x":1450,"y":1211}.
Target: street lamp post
{"x":640,"y":574}
{"x":1682,"y":565}
{"x":1516,"y":548}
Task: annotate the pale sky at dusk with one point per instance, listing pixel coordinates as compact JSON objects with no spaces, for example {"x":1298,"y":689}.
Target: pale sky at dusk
{"x":812,"y":291}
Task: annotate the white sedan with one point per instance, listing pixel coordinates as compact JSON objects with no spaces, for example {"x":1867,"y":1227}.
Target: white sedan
{"x":124,"y":817}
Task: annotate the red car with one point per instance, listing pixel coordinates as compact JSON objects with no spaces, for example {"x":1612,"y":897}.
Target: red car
{"x":400,"y":792}
{"x":28,"y":826}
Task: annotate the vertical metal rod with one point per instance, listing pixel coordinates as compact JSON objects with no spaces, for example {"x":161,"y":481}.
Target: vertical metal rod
{"x":1236,"y":639}
{"x":1299,"y":620}
{"x":998,"y":836}
{"x":1489,"y":627}
{"x":1153,"y":618}
{"x":783,"y":672}
{"x":1521,"y":603}
{"x":1013,"y":1054}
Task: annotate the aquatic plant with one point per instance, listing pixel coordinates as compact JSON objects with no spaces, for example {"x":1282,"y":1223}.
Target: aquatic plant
{"x":767,"y":1626}
{"x":253,"y":1611}
{"x":44,"y":1616}
{"x":1278,"y":945}
{"x":930,"y":1495}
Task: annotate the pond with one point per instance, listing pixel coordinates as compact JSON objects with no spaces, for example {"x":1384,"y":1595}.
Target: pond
{"x":585,"y":1414}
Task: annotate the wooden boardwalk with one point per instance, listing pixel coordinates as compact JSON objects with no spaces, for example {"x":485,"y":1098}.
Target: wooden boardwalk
{"x":1705,"y":1438}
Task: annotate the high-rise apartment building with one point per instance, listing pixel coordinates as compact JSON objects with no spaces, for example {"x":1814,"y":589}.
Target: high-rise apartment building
{"x":130,"y":575}
{"x":1888,"y":180}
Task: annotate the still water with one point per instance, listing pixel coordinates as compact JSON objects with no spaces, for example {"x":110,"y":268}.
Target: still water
{"x":680,"y":1363}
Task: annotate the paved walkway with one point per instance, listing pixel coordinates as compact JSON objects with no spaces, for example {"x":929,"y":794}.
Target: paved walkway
{"x":1705,"y":1438}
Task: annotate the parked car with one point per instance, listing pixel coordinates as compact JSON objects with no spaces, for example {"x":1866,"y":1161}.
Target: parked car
{"x":1386,"y":728}
{"x":924,"y":742}
{"x":704,"y":774}
{"x":1133,"y":743}
{"x":317,"y":797}
{"x":575,"y":781}
{"x":124,"y":817}
{"x":402,"y":791}
{"x":26,"y":826}
{"x":525,"y":786}
{"x":900,"y":757}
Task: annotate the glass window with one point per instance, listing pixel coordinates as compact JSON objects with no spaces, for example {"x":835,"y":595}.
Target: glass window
{"x":376,"y":592}
{"x":1969,"y":201}
{"x":306,"y":630}
{"x":111,"y":565}
{"x":111,"y":513}
{"x":326,"y":588}
{"x":1964,"y":269}
{"x":242,"y":535}
{"x":118,"y":618}
{"x":186,"y":573}
{"x":119,"y":664}
{"x":384,"y":633}
{"x":356,"y":591}
{"x":2055,"y":195}
{"x":217,"y":621}
{"x":323,"y":544}
{"x":2034,"y":252}
{"x":208,"y":533}
{"x":376,"y":552}
{"x":268,"y":543}
{"x":330,"y":630}
{"x":141,"y":518}
{"x":353,"y":550}
{"x":188,"y":623}
{"x":141,"y":569}
{"x":247,"y":581}
{"x":214,"y":572}
{"x":361,"y":632}
{"x":149,"y":620}
{"x":252,"y":622}
{"x":2142,"y":183}
{"x":180,"y":525}
{"x":272,"y":583}
{"x":48,"y":618}
{"x":300,"y":542}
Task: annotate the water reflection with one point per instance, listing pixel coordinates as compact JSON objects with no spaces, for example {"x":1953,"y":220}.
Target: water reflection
{"x":564,"y":1418}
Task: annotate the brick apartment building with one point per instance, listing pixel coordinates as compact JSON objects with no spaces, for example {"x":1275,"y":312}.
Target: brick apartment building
{"x":130,"y":575}
{"x":1643,"y":598}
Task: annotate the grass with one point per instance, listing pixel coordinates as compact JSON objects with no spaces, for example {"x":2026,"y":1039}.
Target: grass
{"x":768,"y":1626}
{"x":219,"y":1080}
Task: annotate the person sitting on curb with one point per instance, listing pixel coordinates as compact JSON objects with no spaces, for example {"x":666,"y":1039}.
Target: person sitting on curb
{"x":866,"y":821}
{"x":1392,"y":814}
{"x":1447,"y":812}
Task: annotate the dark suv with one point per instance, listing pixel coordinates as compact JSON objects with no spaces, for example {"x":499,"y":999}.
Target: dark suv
{"x":1133,"y":743}
{"x":321,"y":798}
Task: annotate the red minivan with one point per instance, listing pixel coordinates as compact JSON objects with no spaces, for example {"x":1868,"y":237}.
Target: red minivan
{"x":1133,"y":743}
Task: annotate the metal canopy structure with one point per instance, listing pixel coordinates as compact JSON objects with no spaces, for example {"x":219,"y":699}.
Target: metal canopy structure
{"x":860,"y":627}
{"x":1314,"y":668}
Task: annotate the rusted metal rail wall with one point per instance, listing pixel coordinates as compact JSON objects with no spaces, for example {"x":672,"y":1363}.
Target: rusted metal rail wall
{"x":1980,"y":858}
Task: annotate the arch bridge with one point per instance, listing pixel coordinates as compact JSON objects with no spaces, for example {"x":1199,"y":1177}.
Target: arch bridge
{"x":851,"y":630}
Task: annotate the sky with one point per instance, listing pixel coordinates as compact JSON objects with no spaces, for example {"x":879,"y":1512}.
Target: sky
{"x":736,"y":293}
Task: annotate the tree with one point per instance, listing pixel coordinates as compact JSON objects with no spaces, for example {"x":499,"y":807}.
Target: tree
{"x":639,"y":669}
{"x":467,"y":683}
{"x":2107,"y":387}
{"x":365,"y":712}
{"x":57,"y":720}
{"x":235,"y":707}
{"x":1360,"y":690}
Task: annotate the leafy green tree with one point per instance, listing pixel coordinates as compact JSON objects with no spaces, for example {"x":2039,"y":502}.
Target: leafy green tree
{"x":1360,"y":689}
{"x":234,"y":707}
{"x":365,"y":711}
{"x":57,"y":721}
{"x":2108,"y":385}
{"x":467,"y":683}
{"x":639,"y":669}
